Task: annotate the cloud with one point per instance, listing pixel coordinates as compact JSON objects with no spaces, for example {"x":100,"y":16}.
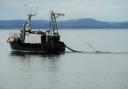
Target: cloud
{"x":99,"y":9}
{"x":6,"y":0}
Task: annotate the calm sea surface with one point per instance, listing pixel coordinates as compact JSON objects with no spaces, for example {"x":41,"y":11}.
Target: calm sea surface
{"x":87,"y":70}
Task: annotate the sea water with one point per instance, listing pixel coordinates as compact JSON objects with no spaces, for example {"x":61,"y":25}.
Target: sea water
{"x":85,"y":70}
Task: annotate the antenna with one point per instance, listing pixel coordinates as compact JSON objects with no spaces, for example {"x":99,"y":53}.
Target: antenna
{"x":33,"y":13}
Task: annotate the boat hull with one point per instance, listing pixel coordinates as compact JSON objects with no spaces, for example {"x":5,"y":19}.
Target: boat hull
{"x":51,"y":47}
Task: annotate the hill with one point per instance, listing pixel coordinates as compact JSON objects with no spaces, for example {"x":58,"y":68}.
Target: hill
{"x":84,"y":23}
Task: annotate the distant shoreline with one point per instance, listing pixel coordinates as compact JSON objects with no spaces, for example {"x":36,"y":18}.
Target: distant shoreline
{"x":69,"y":28}
{"x":84,"y":23}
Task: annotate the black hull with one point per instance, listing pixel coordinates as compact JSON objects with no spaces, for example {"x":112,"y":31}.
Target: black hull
{"x":57,"y":47}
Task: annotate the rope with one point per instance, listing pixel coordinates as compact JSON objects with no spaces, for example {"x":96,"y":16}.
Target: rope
{"x":71,"y":49}
{"x":95,"y":50}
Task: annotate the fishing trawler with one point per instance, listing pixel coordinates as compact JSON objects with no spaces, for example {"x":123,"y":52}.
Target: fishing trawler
{"x":49,"y":39}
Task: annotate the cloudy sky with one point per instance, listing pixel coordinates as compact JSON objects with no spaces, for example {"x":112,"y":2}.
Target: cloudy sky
{"x":106,"y":10}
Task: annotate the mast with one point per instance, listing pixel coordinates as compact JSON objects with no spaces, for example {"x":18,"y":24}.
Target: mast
{"x":26,"y":27}
{"x":53,"y":22}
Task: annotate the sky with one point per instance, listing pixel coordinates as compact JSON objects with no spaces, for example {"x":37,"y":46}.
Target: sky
{"x":104,"y":10}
